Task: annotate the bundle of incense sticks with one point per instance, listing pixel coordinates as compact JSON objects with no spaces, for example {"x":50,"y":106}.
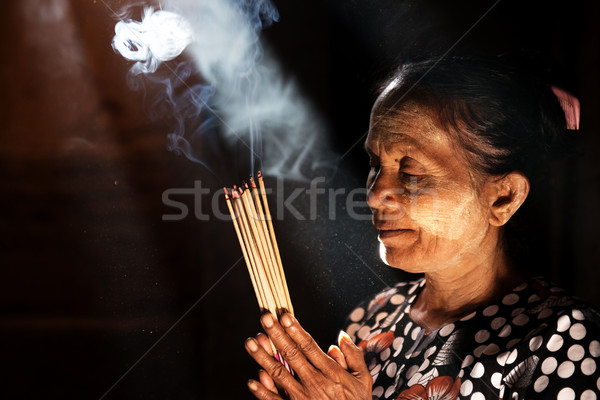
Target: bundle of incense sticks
{"x":252,"y":221}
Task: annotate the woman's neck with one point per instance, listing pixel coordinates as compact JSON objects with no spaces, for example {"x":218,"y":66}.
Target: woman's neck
{"x":452,"y":293}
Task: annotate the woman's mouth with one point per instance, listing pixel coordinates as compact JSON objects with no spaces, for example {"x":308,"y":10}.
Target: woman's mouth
{"x":391,"y":233}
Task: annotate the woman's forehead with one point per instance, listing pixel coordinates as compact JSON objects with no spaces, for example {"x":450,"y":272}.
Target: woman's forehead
{"x":411,"y":125}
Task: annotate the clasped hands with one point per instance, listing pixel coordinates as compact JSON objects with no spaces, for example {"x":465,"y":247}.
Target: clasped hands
{"x":339,"y":374}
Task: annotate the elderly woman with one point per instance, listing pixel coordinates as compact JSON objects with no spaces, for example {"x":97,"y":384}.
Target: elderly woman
{"x":455,"y":147}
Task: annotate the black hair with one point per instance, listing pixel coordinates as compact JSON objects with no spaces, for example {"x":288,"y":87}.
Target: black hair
{"x":504,"y":117}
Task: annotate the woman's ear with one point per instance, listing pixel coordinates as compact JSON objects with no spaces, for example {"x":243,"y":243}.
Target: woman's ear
{"x":505,"y":194}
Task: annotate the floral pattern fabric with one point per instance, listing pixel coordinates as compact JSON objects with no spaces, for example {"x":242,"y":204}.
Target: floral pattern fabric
{"x":536,"y":342}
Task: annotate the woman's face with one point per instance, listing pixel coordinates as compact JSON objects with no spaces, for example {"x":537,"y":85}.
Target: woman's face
{"x":421,"y":192}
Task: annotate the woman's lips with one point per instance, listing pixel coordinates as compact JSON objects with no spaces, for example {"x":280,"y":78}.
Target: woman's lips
{"x":392,"y":233}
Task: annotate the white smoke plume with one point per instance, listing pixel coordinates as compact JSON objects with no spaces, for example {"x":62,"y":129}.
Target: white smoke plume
{"x":243,"y":90}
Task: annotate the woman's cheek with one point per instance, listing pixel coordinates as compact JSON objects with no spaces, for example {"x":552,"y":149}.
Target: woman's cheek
{"x":445,"y":215}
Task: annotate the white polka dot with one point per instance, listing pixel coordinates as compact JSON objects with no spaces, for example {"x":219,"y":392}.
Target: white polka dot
{"x":505,"y":331}
{"x":424,"y":366}
{"x":512,"y":356}
{"x":577,"y":314}
{"x":385,"y":354}
{"x":513,"y":342}
{"x":363,"y":332}
{"x":510,"y":299}
{"x":461,"y":373}
{"x":446,"y":330}
{"x":598,"y":383}
{"x":466,"y":388}
{"x":468,"y":317}
{"x":563,"y":323}
{"x":477,"y":396}
{"x":490,"y":310}
{"x":415,"y":333}
{"x":391,"y":370}
{"x":390,"y":391}
{"x":520,"y":287}
{"x":541,"y":383}
{"x":535,"y":343}
{"x":376,"y":370}
{"x":491,"y":349}
{"x":398,"y":342}
{"x":577,"y":331}
{"x":549,"y":365}
{"x":357,"y":314}
{"x":566,"y":394}
{"x":378,"y":391}
{"x":352,"y":328}
{"x":429,"y":351}
{"x":520,"y":319}
{"x":397,"y":299}
{"x":517,"y":311}
{"x":381,"y":316}
{"x":467,"y":361}
{"x":407,"y":328}
{"x":412,"y":289}
{"x":497,"y":323}
{"x":415,"y":379}
{"x":565,"y":369}
{"x":479,"y":350}
{"x":545,"y":313}
{"x":502,"y":357}
{"x":576,"y":352}
{"x":595,"y":348}
{"x":482,"y":336}
{"x":478,"y":370}
{"x":555,"y":342}
{"x":532,"y":298}
{"x":496,"y":380}
{"x":588,"y":366}
{"x":588,"y":395}
{"x":411,"y":371}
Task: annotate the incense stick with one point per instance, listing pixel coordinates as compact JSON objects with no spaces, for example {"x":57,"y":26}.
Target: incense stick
{"x":254,"y":228}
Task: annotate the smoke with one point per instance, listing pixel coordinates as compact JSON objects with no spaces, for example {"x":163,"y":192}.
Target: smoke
{"x":242,"y":89}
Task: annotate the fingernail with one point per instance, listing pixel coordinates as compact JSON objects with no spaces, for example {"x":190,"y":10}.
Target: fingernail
{"x":251,"y":344}
{"x":287,"y":320}
{"x":252,"y":385}
{"x":267,"y":320}
{"x":343,"y":336}
{"x":333,"y":347}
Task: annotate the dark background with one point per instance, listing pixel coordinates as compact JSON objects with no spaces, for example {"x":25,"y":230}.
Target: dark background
{"x":92,"y":276}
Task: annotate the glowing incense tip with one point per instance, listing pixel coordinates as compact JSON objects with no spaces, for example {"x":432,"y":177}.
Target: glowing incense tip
{"x":259,"y":174}
{"x":235,"y":194}
{"x":226,"y":193}
{"x":246,"y":185}
{"x":252,"y":182}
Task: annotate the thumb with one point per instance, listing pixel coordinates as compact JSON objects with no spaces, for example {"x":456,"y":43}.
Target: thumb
{"x":354,"y":356}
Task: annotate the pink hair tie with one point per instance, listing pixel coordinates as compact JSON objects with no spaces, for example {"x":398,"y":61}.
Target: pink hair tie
{"x":570,"y":106}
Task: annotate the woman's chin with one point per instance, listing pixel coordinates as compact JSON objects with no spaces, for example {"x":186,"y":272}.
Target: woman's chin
{"x":399,"y":258}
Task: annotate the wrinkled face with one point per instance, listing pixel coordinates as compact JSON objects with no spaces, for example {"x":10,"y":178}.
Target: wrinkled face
{"x":429,"y":213}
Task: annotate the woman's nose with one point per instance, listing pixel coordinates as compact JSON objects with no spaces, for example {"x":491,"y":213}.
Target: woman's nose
{"x":382,"y":193}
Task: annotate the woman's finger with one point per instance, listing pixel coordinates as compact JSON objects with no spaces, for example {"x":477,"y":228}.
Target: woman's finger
{"x":267,"y":382}
{"x":355,"y":359}
{"x":266,"y":344}
{"x":335,"y":353}
{"x":292,"y":353}
{"x":272,"y":367}
{"x":261,"y":392}
{"x":308,"y":346}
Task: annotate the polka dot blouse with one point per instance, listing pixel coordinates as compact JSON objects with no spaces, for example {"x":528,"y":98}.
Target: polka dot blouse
{"x":534,"y":343}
